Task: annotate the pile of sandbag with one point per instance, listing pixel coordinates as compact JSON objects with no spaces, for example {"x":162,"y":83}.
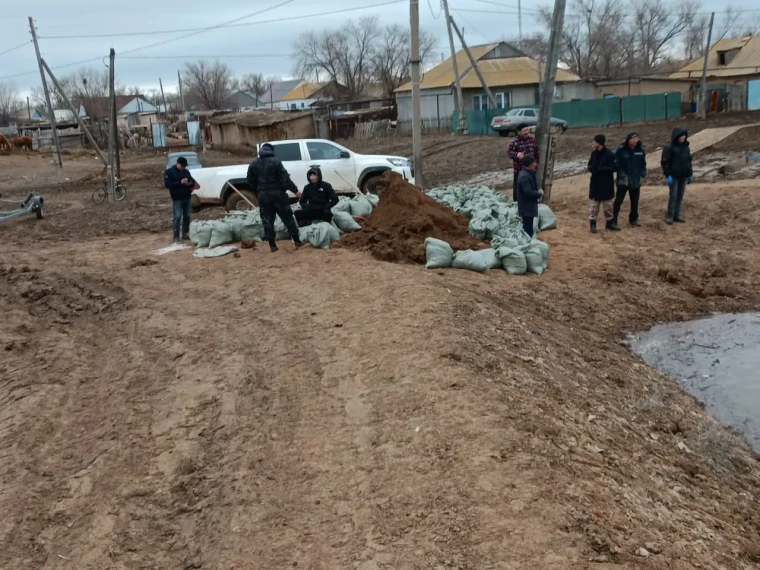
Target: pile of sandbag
{"x":493,"y":217}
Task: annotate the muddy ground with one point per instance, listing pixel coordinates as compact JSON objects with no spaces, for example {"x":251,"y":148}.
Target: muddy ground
{"x":323,"y":410}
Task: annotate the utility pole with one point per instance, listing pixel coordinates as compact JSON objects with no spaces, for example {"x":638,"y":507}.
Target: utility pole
{"x":51,"y":112}
{"x":112,"y":150}
{"x":703,"y":112}
{"x":455,"y":64}
{"x":113,"y":123}
{"x":181,"y":93}
{"x":166,"y":109}
{"x":28,"y":109}
{"x":414,"y":18}
{"x":491,"y":99}
{"x":519,"y":20}
{"x":547,"y":95}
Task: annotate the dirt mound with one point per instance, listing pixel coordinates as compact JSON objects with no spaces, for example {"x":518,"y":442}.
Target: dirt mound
{"x":397,"y":228}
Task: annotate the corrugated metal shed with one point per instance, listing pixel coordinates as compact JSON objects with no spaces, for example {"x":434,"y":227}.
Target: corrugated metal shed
{"x":745,"y":62}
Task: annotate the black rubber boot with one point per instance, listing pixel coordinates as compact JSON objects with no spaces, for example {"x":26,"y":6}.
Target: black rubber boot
{"x":176,"y":238}
{"x":273,"y":245}
{"x":185,"y":237}
{"x":679,"y":220}
{"x":669,"y":221}
{"x":298,"y":243}
{"x":612,"y":226}
{"x":593,"y":226}
{"x":635,"y":223}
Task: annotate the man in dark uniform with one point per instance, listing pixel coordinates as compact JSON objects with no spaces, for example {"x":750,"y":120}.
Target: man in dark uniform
{"x":676,"y":166}
{"x":267,"y":175}
{"x":317,"y":199}
{"x":180,"y":184}
{"x":601,"y":190}
{"x":631,"y":161}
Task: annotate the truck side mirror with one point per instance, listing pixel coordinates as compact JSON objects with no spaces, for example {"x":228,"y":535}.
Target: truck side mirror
{"x":345,"y":154}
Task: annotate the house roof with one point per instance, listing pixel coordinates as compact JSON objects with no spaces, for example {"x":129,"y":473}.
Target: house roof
{"x":746,"y":62}
{"x":303,"y":91}
{"x":258,"y":118}
{"x":99,"y":106}
{"x":626,"y":80}
{"x":278,"y":90}
{"x":500,"y":72}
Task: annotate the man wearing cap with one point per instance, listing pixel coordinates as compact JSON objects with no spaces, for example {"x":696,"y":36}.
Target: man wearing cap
{"x":601,"y":165}
{"x":631,"y":168}
{"x":528,"y":193}
{"x":268,"y":176}
{"x":521,"y":145}
{"x":180,"y":184}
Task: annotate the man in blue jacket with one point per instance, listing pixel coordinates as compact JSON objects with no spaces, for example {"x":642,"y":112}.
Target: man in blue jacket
{"x":631,"y":168}
{"x":676,"y":166}
{"x":180,"y":184}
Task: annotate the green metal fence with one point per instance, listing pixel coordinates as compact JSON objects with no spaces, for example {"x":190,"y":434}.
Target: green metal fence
{"x":589,"y":113}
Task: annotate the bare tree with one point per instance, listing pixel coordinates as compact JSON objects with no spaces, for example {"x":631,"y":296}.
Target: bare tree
{"x":656,"y":26}
{"x":256,"y":84}
{"x":10,"y":103}
{"x":392,"y":57}
{"x":210,"y":83}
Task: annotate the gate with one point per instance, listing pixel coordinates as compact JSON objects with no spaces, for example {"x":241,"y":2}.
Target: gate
{"x":193,"y":133}
{"x":158,"y":130}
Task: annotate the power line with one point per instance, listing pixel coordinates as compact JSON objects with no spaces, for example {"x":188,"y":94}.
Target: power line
{"x":468,"y":22}
{"x":99,"y":58}
{"x":258,"y":22}
{"x":506,"y":5}
{"x":432,"y":13}
{"x":235,"y":56}
{"x":16,"y":47}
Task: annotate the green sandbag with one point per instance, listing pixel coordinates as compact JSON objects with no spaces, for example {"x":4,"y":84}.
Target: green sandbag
{"x":360,"y":206}
{"x":534,"y":257}
{"x":438,"y":253}
{"x":252,"y":229}
{"x":546,"y":218}
{"x":373,"y":199}
{"x":221,"y":233}
{"x":222,"y":250}
{"x":513,"y":261}
{"x":469,"y":259}
{"x":544,"y":247}
{"x":319,"y":235}
{"x":345,"y":221}
{"x":203,"y":234}
{"x":235,"y":224}
{"x":343,"y":205}
{"x":194,"y":231}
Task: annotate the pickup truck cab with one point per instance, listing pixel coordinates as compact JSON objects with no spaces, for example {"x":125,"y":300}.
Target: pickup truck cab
{"x":344,"y":169}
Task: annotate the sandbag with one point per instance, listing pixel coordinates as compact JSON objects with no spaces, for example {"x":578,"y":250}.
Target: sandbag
{"x":319,"y":235}
{"x":221,"y":233}
{"x":469,"y":259}
{"x":360,"y":206}
{"x":345,"y":221}
{"x":252,"y":229}
{"x":546,"y":218}
{"x":513,"y":261}
{"x":194,"y":231}
{"x":207,"y":252}
{"x":544,"y":247}
{"x":438,"y":253}
{"x":534,"y":258}
{"x":235,"y":224}
{"x":343,"y":205}
{"x":203,"y":234}
{"x":490,"y":257}
{"x":373,"y":199}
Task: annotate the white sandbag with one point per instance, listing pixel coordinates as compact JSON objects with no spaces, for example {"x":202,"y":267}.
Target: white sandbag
{"x":222,"y":250}
{"x":373,"y":199}
{"x":360,"y":206}
{"x":469,"y":259}
{"x":194,"y":225}
{"x":203,"y":234}
{"x":252,"y":229}
{"x":345,"y":221}
{"x":513,"y":261}
{"x":319,"y":235}
{"x":235,"y":224}
{"x":544,"y":247}
{"x":490,"y":257}
{"x":343,"y":205}
{"x":546,"y":218}
{"x":534,"y":257}
{"x":221,"y":233}
{"x":438,"y":253}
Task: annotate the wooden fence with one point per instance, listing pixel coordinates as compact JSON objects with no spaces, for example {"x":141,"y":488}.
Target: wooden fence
{"x":387,"y":128}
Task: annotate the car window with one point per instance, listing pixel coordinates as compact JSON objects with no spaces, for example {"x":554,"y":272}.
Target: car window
{"x":322,"y":151}
{"x":287,"y":151}
{"x":513,"y":113}
{"x":529,"y":113}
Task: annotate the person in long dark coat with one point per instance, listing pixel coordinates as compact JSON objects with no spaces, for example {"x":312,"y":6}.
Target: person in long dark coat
{"x":528,"y":193}
{"x":601,"y":191}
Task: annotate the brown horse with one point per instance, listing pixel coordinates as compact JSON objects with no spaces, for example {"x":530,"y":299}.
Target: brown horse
{"x":4,"y":143}
{"x":23,"y":143}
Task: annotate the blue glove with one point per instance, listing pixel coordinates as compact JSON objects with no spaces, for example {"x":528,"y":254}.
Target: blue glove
{"x":670,"y":181}
{"x":691,"y":178}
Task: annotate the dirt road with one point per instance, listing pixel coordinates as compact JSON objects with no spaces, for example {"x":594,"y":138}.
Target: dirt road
{"x":322,"y":410}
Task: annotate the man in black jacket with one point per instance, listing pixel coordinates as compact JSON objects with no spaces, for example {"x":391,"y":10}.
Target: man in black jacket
{"x":676,"y":166}
{"x":528,"y":193}
{"x":631,"y":168}
{"x":180,"y":184}
{"x":267,"y":175}
{"x":317,"y":199}
{"x":601,"y":190}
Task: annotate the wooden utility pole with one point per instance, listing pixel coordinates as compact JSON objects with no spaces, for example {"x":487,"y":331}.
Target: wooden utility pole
{"x":414,"y":18}
{"x":112,"y":152}
{"x":51,"y":112}
{"x":455,"y":64}
{"x":703,"y":112}
{"x":76,"y":114}
{"x":28,"y":109}
{"x":166,"y":109}
{"x":519,"y":20}
{"x":181,"y":93}
{"x":491,"y":98}
{"x":547,"y":95}
{"x":112,"y":121}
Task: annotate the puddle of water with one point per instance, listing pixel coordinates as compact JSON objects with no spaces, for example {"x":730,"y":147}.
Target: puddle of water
{"x":717,"y":360}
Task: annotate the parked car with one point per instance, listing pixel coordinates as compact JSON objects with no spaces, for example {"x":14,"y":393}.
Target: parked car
{"x":507,"y":124}
{"x":344,"y":169}
{"x":193,"y":162}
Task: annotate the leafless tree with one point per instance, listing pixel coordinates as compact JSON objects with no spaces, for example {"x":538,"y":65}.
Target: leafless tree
{"x":210,"y":83}
{"x":256,"y":84}
{"x":656,"y":26}
{"x":10,"y":103}
{"x":358,"y":53}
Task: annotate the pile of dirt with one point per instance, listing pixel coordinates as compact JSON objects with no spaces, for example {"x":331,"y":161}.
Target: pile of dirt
{"x":397,"y":228}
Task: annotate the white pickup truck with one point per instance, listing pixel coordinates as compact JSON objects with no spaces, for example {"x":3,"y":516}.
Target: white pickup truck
{"x":344,"y":169}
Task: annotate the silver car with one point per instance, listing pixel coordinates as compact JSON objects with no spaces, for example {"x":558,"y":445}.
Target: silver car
{"x":193,"y":162}
{"x":508,"y":124}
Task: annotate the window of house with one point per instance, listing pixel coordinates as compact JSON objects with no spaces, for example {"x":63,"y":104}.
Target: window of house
{"x":480,"y":102}
{"x":503,"y":100}
{"x":721,"y":58}
{"x":288,"y":151}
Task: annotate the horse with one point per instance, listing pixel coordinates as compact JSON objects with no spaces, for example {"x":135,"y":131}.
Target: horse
{"x":4,"y":143}
{"x":23,"y":143}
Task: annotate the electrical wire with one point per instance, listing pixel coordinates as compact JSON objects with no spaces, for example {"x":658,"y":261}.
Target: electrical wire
{"x":440,"y":9}
{"x":506,"y":5}
{"x":466,"y":21}
{"x":16,"y":47}
{"x":235,"y":56}
{"x":258,"y":22}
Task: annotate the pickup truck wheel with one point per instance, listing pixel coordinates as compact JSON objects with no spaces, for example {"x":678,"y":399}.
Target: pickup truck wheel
{"x":235,"y":202}
{"x":373,"y":185}
{"x":503,"y":133}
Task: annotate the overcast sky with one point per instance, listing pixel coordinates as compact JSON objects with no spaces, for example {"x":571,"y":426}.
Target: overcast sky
{"x":483,"y":20}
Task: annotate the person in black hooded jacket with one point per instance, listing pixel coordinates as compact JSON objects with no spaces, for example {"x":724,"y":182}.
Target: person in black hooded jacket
{"x":268,"y":176}
{"x":317,"y":199}
{"x":676,"y":166}
{"x":631,"y":161}
{"x":601,"y":190}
